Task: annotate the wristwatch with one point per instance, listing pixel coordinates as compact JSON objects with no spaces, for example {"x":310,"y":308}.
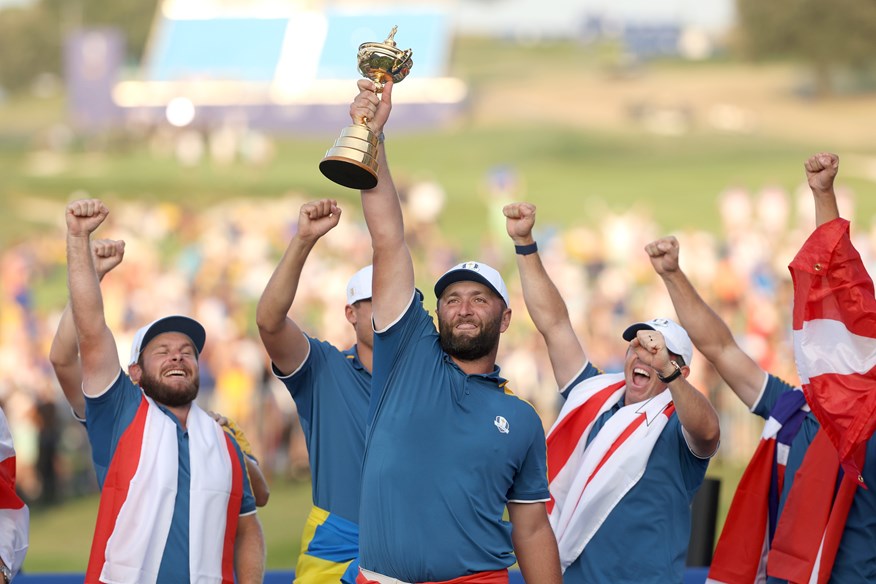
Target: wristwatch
{"x":6,"y":573}
{"x":672,"y":376}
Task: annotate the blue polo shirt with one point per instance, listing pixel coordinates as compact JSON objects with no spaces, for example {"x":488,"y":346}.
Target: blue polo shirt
{"x":109,"y":415}
{"x":856,"y":556}
{"x":445,"y":453}
{"x":645,"y":537}
{"x":331,"y":390}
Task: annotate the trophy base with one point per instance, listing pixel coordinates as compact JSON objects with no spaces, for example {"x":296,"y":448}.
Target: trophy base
{"x":352,"y":161}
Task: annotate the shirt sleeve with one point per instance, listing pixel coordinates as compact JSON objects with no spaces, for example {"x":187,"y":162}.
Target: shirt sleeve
{"x":107,"y":415}
{"x":247,"y":503}
{"x":530,"y":484}
{"x":413,"y":332}
{"x":771,"y":392}
{"x":587,"y":371}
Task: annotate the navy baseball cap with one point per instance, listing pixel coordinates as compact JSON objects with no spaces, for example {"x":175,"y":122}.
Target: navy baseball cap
{"x":473,"y":272}
{"x":168,"y":324}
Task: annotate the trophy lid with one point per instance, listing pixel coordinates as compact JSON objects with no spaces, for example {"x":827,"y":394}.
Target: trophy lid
{"x":379,"y":61}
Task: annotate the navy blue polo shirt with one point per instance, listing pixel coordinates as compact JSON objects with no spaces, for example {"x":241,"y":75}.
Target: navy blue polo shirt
{"x":856,"y":555}
{"x":331,"y":389}
{"x":645,"y":537}
{"x":445,"y":453}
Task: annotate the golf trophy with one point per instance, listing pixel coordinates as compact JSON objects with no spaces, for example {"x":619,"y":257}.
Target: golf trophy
{"x":352,"y":161}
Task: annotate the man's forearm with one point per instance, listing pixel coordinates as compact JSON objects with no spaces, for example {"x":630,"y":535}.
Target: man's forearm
{"x":538,"y":557}
{"x":249,"y":551}
{"x":86,"y":301}
{"x":279,"y":294}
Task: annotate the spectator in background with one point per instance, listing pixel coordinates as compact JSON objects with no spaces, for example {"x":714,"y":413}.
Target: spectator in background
{"x":331,"y":389}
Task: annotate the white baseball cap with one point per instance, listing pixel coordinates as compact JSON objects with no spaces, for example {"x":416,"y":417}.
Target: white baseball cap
{"x":676,"y":337}
{"x":473,"y":272}
{"x":359,"y":286}
{"x":168,"y":324}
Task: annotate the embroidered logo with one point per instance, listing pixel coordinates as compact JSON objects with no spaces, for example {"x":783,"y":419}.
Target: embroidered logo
{"x":502,"y":424}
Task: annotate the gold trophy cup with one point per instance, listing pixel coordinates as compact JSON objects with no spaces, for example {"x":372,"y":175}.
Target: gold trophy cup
{"x":352,"y":161}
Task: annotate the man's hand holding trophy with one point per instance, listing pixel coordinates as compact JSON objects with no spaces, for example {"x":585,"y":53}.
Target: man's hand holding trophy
{"x":352,"y":161}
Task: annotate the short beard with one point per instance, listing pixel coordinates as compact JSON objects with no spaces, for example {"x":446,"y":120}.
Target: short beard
{"x":166,"y":395}
{"x":468,"y":348}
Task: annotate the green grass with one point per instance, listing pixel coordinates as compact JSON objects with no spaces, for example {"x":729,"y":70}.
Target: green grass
{"x":60,"y":537}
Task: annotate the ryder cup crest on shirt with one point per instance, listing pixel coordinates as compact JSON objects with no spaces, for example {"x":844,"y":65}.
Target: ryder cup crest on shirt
{"x":502,"y":424}
{"x":359,"y":286}
{"x":677,"y":340}
{"x":473,"y":272}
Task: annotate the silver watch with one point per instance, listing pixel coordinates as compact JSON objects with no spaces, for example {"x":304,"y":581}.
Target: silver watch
{"x":6,"y":573}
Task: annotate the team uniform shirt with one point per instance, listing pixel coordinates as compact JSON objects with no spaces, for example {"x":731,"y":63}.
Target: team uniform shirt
{"x":331,"y":390}
{"x":445,"y":453}
{"x":856,"y":556}
{"x":645,"y":537}
{"x":109,"y":415}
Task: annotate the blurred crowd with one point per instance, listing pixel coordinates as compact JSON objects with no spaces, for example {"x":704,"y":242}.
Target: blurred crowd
{"x":213,"y":263}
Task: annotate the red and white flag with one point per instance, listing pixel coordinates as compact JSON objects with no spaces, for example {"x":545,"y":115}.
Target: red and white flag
{"x":14,"y":514}
{"x":835,"y":338}
{"x":835,"y":351}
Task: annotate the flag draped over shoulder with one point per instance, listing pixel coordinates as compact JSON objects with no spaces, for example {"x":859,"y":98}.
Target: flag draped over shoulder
{"x":835,"y":338}
{"x":14,"y":514}
{"x":835,"y":351}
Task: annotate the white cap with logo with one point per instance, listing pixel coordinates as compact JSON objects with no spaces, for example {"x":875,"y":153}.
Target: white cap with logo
{"x":473,"y":272}
{"x":676,"y":337}
{"x":359,"y":286}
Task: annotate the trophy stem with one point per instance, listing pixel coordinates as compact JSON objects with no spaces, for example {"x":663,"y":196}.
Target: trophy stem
{"x":352,"y":161}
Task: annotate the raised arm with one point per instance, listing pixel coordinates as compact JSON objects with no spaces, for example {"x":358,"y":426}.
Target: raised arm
{"x":64,"y":354}
{"x":282,"y":337}
{"x":543,"y":300}
{"x":393,"y":278}
{"x":710,"y":335}
{"x":97,"y":348}
{"x":698,"y":418}
{"x":821,"y":171}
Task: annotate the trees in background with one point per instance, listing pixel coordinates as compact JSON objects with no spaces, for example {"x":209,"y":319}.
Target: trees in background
{"x":839,"y":35}
{"x":32,"y":35}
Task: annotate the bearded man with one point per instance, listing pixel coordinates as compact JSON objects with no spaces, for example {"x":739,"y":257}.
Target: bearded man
{"x":450,"y":447}
{"x":176,"y":503}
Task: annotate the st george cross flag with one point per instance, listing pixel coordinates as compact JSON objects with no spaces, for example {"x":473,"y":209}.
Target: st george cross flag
{"x":14,"y":515}
{"x":835,"y":338}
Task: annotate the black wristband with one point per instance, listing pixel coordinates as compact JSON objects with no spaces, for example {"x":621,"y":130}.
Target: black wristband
{"x":526,"y":249}
{"x":672,"y":377}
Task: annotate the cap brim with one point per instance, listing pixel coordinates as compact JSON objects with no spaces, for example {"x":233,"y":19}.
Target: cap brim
{"x":631,"y":331}
{"x":462,"y":275}
{"x":177,"y":324}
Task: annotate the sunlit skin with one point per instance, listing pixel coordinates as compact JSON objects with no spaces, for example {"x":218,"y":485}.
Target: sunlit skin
{"x":641,"y":367}
{"x":470,"y":319}
{"x":168,"y":370}
{"x":359,"y":315}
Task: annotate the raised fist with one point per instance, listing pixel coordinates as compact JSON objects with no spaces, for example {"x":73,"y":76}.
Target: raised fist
{"x":84,"y":216}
